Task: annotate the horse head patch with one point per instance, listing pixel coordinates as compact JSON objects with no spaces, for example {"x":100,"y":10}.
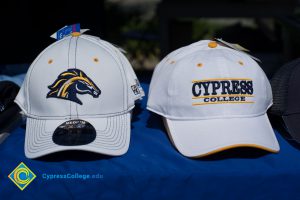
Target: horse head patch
{"x":70,"y":83}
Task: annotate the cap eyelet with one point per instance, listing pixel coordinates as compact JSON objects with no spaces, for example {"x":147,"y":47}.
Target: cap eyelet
{"x":241,"y":63}
{"x":199,"y":65}
{"x":50,"y":61}
{"x":75,"y":34}
{"x":172,"y":62}
{"x":212,"y":44}
{"x":96,"y":60}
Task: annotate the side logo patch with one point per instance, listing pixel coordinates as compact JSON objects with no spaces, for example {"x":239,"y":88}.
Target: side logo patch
{"x":70,"y":83}
{"x":222,"y":90}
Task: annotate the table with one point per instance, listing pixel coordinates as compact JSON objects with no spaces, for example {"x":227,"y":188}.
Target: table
{"x":153,"y":169}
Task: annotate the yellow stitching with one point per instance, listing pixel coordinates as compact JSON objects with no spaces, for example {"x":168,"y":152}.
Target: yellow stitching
{"x":72,"y":81}
{"x":68,"y":73}
{"x":58,"y":82}
{"x":53,"y":92}
{"x":222,"y":102}
{"x":64,"y":93}
{"x":228,"y":95}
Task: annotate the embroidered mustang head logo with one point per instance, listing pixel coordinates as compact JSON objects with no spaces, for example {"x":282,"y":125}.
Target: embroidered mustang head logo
{"x":70,"y":83}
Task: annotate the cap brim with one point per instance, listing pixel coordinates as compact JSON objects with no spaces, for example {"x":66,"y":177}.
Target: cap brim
{"x":198,"y":138}
{"x":112,"y":136}
{"x":292,"y":123}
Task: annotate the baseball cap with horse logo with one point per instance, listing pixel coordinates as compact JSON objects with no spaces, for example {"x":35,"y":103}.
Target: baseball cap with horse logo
{"x":77,"y":95}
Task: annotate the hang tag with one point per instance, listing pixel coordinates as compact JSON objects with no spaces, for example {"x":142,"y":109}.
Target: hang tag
{"x":68,"y":30}
{"x":136,"y":87}
{"x":138,"y":90}
{"x":237,"y":47}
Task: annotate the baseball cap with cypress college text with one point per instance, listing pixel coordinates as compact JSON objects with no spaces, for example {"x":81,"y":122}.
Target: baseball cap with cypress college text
{"x":212,"y":98}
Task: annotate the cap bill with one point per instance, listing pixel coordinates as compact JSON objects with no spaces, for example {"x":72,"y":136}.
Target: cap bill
{"x":112,"y":136}
{"x":292,"y":123}
{"x":198,"y":138}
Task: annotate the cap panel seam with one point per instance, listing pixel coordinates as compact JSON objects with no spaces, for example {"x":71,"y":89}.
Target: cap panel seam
{"x":69,"y":47}
{"x":170,"y":85}
{"x":107,"y":49}
{"x":75,"y":68}
{"x":160,"y":68}
{"x":33,"y":65}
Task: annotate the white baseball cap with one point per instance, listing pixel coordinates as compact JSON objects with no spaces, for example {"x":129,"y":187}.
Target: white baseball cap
{"x":212,"y":98}
{"x":78,"y":94}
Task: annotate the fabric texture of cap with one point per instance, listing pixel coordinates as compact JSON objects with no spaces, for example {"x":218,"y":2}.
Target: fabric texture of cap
{"x":212,"y":98}
{"x":78,"y":94}
{"x":285,"y":84}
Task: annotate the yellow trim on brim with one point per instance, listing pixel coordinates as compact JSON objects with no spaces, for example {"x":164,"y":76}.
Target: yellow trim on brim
{"x":235,"y":146}
{"x":216,"y":150}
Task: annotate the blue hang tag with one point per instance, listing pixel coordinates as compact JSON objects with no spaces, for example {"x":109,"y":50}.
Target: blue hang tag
{"x":67,"y":30}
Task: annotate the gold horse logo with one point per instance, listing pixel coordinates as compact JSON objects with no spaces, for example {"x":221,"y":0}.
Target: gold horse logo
{"x":70,"y":83}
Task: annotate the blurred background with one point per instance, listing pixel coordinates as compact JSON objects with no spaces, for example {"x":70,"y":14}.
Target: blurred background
{"x":149,"y":29}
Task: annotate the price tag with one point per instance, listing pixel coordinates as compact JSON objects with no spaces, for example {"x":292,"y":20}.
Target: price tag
{"x":237,"y":47}
{"x":66,"y":31}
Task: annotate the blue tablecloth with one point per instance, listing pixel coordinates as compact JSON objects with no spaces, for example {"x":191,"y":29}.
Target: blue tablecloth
{"x":153,"y":169}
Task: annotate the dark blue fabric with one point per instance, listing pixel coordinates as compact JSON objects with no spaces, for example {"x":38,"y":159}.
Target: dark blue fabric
{"x":153,"y":169}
